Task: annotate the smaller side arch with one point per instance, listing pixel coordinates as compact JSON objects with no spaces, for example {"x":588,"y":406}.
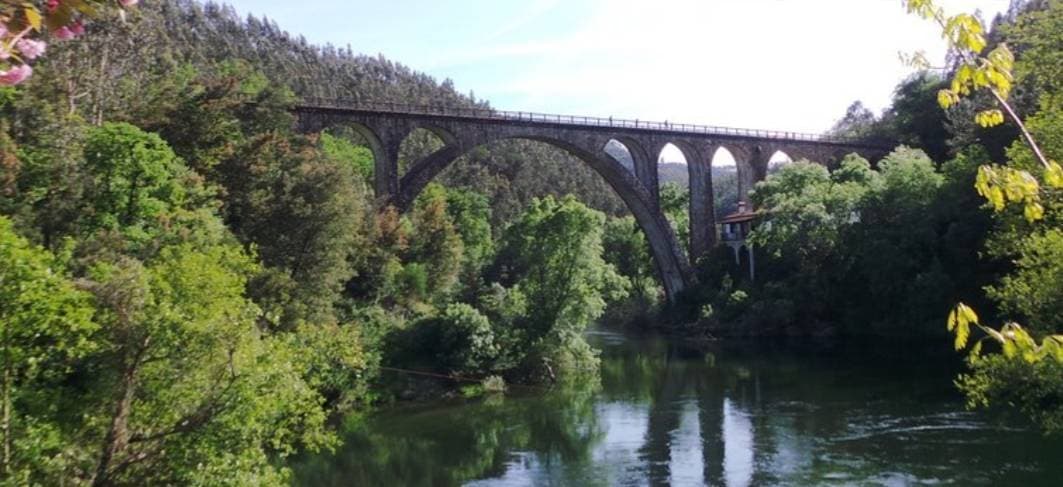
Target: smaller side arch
{"x":645,"y":166}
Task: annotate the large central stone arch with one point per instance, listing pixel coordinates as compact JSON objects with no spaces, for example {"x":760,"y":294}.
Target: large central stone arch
{"x":671,"y":262}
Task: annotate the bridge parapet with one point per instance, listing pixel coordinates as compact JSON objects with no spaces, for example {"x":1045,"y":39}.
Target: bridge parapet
{"x":488,"y":114}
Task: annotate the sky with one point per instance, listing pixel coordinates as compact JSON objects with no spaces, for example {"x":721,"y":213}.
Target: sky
{"x":792,"y":65}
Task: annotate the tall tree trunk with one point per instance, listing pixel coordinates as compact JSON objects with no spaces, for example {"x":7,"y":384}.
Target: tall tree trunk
{"x":118,"y":434}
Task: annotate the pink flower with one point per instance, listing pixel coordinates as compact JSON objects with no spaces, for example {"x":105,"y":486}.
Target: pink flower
{"x":51,"y":5}
{"x":128,"y":3}
{"x":3,"y":30}
{"x":64,"y":33}
{"x":68,"y":32}
{"x":15,"y":75}
{"x":30,"y":48}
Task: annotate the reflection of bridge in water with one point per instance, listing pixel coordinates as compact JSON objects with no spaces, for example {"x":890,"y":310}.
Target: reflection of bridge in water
{"x":384,"y":126}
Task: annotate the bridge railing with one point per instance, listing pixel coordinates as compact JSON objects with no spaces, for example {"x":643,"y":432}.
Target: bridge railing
{"x":534,"y":117}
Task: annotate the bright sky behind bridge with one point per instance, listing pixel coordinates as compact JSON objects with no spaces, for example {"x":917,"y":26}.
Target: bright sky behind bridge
{"x":792,"y":65}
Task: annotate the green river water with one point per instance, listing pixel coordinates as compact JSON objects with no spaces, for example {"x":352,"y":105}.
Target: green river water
{"x":664,"y":414}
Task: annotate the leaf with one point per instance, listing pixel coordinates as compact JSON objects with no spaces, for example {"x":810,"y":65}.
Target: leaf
{"x":33,"y":17}
{"x":1009,"y":349}
{"x":1054,"y":175}
{"x":963,"y":332}
{"x":967,"y":313}
{"x":960,"y":320}
{"x":946,"y":98}
{"x":989,"y":118}
{"x":1034,"y":211}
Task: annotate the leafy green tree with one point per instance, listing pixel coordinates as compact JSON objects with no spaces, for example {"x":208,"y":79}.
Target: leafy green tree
{"x":859,"y":123}
{"x":337,"y":360}
{"x":895,"y":247}
{"x":1034,"y":290}
{"x":914,"y":118}
{"x":808,"y":210}
{"x":305,"y":215}
{"x":46,"y":325}
{"x":552,"y":255}
{"x":471,"y":213}
{"x":675,"y":202}
{"x":458,"y":340}
{"x":436,"y":242}
{"x":136,"y":179}
{"x":624,"y":246}
{"x":359,"y":157}
{"x":1024,"y":374}
{"x":191,"y":391}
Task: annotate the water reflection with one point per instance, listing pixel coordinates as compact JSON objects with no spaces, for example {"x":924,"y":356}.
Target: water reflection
{"x":664,"y":415}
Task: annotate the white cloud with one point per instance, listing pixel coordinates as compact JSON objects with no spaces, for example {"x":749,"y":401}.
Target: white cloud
{"x":778,"y":64}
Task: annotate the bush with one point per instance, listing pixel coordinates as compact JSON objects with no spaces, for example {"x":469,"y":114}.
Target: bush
{"x":1035,"y":389}
{"x":459,"y":340}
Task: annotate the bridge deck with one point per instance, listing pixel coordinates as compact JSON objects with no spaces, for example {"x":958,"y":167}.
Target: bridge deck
{"x":575,"y":121}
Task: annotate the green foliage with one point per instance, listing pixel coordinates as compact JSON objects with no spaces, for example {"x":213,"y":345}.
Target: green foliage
{"x":303,"y":214}
{"x":459,"y":340}
{"x":914,"y":117}
{"x":624,"y":246}
{"x":1034,"y":36}
{"x":1033,"y":389}
{"x":136,"y":181}
{"x":675,"y":203}
{"x":435,"y":242}
{"x":192,"y":376}
{"x":336,"y":360}
{"x":359,"y":158}
{"x":471,"y":214}
{"x":46,"y":326}
{"x":807,"y":209}
{"x":894,"y":244}
{"x":552,"y":254}
{"x":1032,"y":290}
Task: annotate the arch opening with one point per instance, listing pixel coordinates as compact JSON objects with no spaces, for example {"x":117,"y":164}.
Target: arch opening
{"x":779,"y":160}
{"x":354,"y":145}
{"x":673,"y":270}
{"x":673,"y":179}
{"x":620,"y":151}
{"x":418,"y":144}
{"x":724,"y":182}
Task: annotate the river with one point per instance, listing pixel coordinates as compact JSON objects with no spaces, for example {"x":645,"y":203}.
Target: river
{"x":664,"y":414}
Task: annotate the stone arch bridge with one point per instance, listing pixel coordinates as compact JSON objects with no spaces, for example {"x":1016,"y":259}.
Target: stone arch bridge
{"x":384,"y":126}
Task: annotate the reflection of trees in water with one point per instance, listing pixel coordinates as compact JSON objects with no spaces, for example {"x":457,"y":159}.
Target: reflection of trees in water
{"x":452,"y":445}
{"x":803,"y":415}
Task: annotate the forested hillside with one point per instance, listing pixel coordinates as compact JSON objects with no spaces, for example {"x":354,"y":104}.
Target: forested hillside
{"x":166,"y":41}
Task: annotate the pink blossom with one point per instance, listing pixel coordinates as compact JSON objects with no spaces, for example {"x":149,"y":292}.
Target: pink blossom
{"x":51,"y":5}
{"x":77,"y":28}
{"x":3,"y":30}
{"x":30,"y":48}
{"x":15,"y":75}
{"x":64,"y":33}
{"x":128,"y":3}
{"x":4,"y":53}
